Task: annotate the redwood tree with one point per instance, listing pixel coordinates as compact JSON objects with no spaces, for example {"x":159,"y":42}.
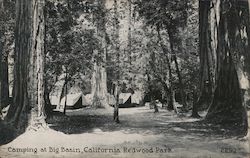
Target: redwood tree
{"x":6,"y":40}
{"x":99,"y":78}
{"x":205,"y":54}
{"x":28,"y":90}
{"x":117,"y":51}
{"x":1,"y":50}
{"x":227,"y":105}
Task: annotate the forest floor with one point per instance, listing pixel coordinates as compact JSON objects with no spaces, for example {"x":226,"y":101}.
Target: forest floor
{"x":141,"y":133}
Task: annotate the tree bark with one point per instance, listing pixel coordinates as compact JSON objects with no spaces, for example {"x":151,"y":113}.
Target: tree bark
{"x":227,"y":105}
{"x":62,"y":94}
{"x":17,"y":114}
{"x":6,"y":42}
{"x":129,"y":34}
{"x":5,"y":80}
{"x":174,"y":48}
{"x":28,"y":103}
{"x":1,"y":67}
{"x":130,"y":79}
{"x":99,"y":79}
{"x":150,"y":87}
{"x":205,"y":95}
{"x":66,"y":92}
{"x":4,"y":55}
{"x":38,"y":110}
{"x":48,"y":106}
{"x":117,"y":48}
{"x":169,"y":88}
{"x":195,"y":113}
{"x":116,"y":108}
{"x":1,"y":52}
{"x":152,"y":95}
{"x":248,"y":69}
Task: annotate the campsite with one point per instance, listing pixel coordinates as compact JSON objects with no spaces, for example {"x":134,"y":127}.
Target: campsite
{"x":125,"y":78}
{"x":79,"y":100}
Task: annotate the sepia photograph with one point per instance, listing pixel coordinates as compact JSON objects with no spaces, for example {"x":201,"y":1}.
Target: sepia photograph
{"x":124,"y":78}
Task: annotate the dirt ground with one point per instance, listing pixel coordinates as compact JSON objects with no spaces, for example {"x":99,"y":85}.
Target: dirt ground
{"x":141,"y":133}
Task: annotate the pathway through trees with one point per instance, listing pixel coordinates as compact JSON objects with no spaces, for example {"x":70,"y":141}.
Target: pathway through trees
{"x":164,"y":130}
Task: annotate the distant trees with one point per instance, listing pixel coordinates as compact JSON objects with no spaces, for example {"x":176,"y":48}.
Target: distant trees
{"x":170,"y":17}
{"x":69,"y":47}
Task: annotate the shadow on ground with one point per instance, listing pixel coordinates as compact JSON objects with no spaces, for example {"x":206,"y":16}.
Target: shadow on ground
{"x":81,"y":123}
{"x":145,"y":122}
{"x":141,"y":123}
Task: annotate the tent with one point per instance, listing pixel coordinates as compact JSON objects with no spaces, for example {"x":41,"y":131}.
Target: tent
{"x":136,"y":98}
{"x":74,"y":101}
{"x":125,"y":100}
{"x":54,"y":100}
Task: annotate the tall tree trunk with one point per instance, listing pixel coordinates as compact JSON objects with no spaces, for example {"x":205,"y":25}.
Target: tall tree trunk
{"x":205,"y":95}
{"x":1,"y":52}
{"x":17,"y":114}
{"x":5,"y":80}
{"x":38,"y":110}
{"x":170,"y":89}
{"x":227,"y":106}
{"x":173,"y":42}
{"x":62,"y":92}
{"x":151,"y":89}
{"x":1,"y":67}
{"x":117,"y":48}
{"x":130,"y":43}
{"x":66,"y":92}
{"x":48,"y":106}
{"x":28,"y":104}
{"x":247,"y":68}
{"x":4,"y":59}
{"x":47,"y":90}
{"x":181,"y":85}
{"x":116,"y":108}
{"x":195,"y":113}
{"x":98,"y":98}
{"x":129,"y":34}
{"x":99,"y":89}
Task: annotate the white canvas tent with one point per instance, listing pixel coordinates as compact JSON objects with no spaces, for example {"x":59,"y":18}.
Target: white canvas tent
{"x":54,"y":100}
{"x":125,"y":100}
{"x":124,"y":97}
{"x":136,"y":98}
{"x":73,"y":101}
